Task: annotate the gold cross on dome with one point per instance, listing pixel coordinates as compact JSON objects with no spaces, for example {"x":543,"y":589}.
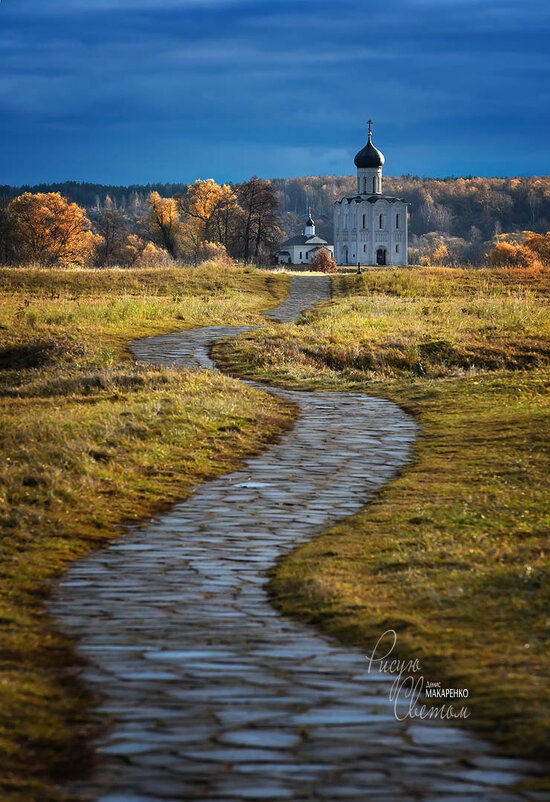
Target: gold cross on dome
{"x":369,"y":123}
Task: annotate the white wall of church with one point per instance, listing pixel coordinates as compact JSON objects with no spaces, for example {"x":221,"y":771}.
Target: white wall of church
{"x":368,"y":232}
{"x":302,"y":254}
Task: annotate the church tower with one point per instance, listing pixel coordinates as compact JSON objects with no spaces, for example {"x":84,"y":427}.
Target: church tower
{"x":370,"y":228}
{"x":309,"y":229}
{"x":369,"y":162}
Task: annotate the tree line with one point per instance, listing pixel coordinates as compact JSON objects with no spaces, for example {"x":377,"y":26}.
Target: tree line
{"x":203,"y":220}
{"x":452,"y":220}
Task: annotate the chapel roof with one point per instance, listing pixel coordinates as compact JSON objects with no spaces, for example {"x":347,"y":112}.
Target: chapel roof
{"x":303,"y":239}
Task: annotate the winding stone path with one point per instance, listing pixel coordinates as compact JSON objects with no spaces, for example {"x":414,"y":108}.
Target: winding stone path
{"x":214,"y":696}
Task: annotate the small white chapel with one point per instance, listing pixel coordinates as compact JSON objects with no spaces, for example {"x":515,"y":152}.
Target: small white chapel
{"x":370,"y":228}
{"x":299,"y":250}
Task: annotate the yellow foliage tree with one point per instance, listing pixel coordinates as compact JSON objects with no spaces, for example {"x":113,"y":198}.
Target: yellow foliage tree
{"x":164,"y":219}
{"x":132,"y":249}
{"x":50,"y":229}
{"x":209,"y":204}
{"x":441,"y":255}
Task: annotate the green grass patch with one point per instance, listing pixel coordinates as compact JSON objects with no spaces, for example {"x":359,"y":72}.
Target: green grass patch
{"x":90,"y":440}
{"x":454,"y":553}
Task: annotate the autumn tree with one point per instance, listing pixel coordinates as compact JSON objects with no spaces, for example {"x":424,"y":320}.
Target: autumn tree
{"x":539,"y":244}
{"x":165,"y":223}
{"x":506,"y":254}
{"x":111,"y":226}
{"x":7,"y":244}
{"x":441,"y":255}
{"x":261,"y":225}
{"x":49,"y":228}
{"x":227,"y":221}
{"x":211,"y":208}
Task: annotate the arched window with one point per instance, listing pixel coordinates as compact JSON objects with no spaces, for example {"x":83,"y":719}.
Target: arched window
{"x":381,"y":221}
{"x":397,"y":221}
{"x":373,"y":184}
{"x":365,"y":185}
{"x":364,"y":221}
{"x":397,"y":248}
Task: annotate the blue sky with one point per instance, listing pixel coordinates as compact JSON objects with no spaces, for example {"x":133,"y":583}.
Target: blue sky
{"x":130,"y":91}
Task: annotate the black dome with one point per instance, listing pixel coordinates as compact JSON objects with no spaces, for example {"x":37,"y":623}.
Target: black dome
{"x":369,"y":156}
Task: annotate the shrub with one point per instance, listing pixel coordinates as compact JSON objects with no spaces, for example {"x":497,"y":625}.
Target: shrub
{"x":506,"y":254}
{"x":214,"y":252}
{"x":324,"y":262}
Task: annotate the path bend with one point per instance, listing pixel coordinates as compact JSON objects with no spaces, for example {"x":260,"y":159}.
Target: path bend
{"x":212,"y":694}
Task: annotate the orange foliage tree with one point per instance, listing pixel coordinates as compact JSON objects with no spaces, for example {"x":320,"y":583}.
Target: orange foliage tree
{"x":49,"y":228}
{"x":540,"y":245}
{"x":533,"y":252}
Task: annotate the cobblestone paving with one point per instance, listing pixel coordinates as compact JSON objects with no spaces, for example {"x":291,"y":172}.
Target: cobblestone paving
{"x":214,"y":696}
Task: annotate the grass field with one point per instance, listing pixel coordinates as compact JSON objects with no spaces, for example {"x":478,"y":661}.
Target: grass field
{"x":90,"y":440}
{"x":454,"y":553}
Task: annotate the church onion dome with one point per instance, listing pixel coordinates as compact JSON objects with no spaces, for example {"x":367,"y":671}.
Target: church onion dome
{"x":369,"y":156}
{"x":310,"y":221}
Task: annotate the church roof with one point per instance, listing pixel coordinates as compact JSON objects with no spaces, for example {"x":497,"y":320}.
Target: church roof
{"x":369,"y":156}
{"x":372,"y":199}
{"x":299,"y":239}
{"x":320,"y":247}
{"x":302,"y":239}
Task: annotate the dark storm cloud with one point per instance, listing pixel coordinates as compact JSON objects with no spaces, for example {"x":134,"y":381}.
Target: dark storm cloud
{"x":131,"y":90}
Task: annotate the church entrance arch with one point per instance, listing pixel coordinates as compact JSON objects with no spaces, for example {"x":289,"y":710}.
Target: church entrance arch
{"x":381,"y":256}
{"x":345,"y":252}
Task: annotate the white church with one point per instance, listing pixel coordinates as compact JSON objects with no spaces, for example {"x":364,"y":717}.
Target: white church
{"x":299,"y":250}
{"x":370,"y":228}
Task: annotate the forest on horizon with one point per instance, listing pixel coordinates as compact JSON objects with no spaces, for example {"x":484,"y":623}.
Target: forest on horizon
{"x":463,"y":214}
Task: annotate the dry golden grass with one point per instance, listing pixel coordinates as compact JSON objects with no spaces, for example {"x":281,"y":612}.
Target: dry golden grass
{"x":454,"y":553}
{"x":88,"y":440}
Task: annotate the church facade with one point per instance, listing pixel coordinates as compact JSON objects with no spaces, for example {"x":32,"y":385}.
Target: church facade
{"x":370,"y":228}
